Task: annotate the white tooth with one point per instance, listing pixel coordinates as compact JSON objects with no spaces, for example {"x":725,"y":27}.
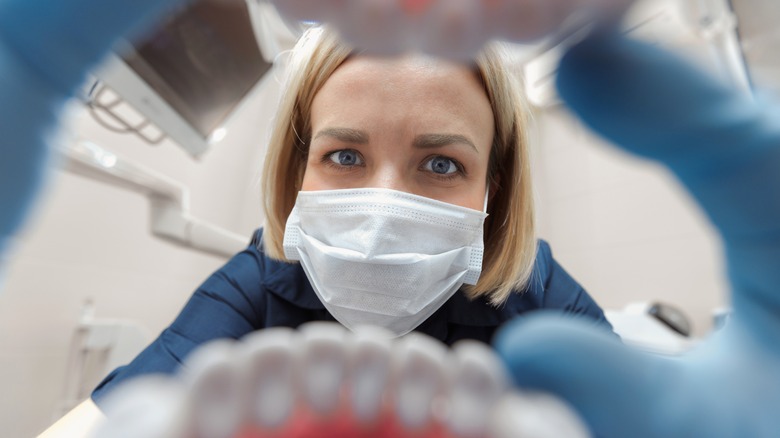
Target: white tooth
{"x":268,"y":361}
{"x":420,"y":377}
{"x":150,"y":407}
{"x":369,"y":371}
{"x":323,"y":365}
{"x":534,"y":416}
{"x":478,"y":379}
{"x":216,"y":391}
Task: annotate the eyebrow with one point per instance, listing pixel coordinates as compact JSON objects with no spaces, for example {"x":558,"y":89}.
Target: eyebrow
{"x":437,"y":140}
{"x":346,"y":135}
{"x":423,"y":141}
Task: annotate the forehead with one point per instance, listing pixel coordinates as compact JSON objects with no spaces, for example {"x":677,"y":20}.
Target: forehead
{"x":417,"y":74}
{"x":412,"y":88}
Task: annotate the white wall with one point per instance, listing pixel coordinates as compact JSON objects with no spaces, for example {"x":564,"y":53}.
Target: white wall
{"x":90,"y":241}
{"x":623,"y":227}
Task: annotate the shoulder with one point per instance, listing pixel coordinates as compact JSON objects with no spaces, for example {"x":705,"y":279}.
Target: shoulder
{"x":543,"y":265}
{"x":550,"y":279}
{"x":272,"y":278}
{"x":551,"y":287}
{"x":251,"y":268}
{"x":532,"y":296}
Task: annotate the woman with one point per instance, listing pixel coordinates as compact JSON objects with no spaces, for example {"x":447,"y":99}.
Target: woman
{"x":377,"y":178}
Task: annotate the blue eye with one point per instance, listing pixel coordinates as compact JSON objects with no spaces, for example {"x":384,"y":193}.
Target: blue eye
{"x":441,"y":166}
{"x":347,"y":157}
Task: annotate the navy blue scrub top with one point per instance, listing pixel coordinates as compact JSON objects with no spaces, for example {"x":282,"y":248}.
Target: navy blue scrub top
{"x":253,"y":292}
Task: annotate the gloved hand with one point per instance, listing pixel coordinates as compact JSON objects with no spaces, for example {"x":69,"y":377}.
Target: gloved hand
{"x":725,"y":148}
{"x":46,"y":48}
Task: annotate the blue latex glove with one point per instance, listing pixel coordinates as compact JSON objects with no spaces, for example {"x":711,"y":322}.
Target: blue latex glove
{"x":725,"y":149}
{"x":46,"y":47}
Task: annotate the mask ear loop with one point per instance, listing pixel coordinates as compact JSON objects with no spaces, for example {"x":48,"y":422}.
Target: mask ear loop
{"x":487,"y":194}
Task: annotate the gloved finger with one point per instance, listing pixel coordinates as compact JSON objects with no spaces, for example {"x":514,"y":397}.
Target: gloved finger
{"x":612,"y":387}
{"x":721,"y":143}
{"x":22,"y":152}
{"x":41,"y":66}
{"x":71,"y":36}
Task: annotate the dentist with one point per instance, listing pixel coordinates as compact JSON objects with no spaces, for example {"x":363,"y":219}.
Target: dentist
{"x":397,"y":194}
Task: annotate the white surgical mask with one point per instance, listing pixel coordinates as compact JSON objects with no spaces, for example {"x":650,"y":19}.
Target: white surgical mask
{"x":382,"y":257}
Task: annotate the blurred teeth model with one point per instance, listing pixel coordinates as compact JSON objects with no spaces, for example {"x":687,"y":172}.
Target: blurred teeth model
{"x":454,"y":29}
{"x":323,"y":381}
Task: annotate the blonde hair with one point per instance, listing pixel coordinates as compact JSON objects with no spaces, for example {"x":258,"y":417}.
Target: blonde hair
{"x":510,"y":235}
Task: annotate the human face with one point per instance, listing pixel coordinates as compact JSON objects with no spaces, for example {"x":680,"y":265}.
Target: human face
{"x":411,"y":124}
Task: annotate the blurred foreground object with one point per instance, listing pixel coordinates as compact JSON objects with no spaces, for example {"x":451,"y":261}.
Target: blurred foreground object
{"x":324,"y":381}
{"x":653,"y":327}
{"x":43,"y":60}
{"x":724,"y":146}
{"x":450,"y":28}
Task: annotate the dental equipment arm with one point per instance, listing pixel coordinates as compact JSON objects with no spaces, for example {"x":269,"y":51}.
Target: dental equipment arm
{"x":170,"y":218}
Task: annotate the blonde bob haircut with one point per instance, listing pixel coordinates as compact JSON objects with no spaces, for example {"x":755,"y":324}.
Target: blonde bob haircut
{"x":510,"y":239}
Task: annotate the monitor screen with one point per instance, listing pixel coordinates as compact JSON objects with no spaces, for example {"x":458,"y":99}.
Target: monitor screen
{"x":202,"y":62}
{"x":188,"y":76}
